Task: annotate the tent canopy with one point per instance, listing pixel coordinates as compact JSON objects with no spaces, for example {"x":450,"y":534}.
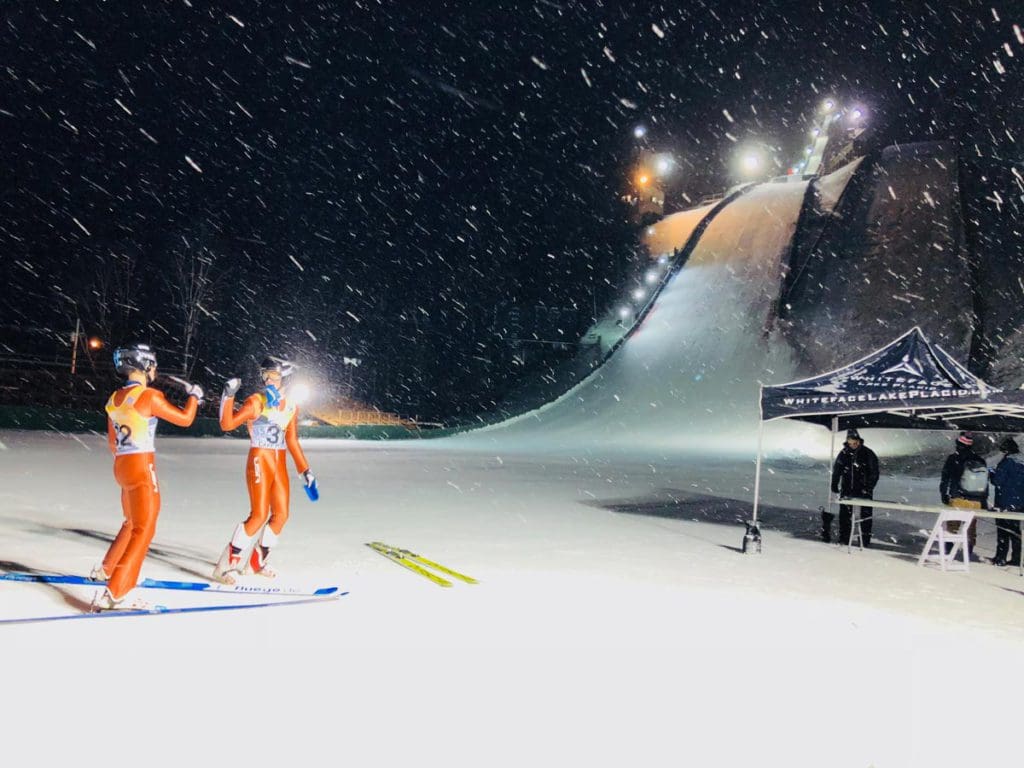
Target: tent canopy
{"x":910,"y":383}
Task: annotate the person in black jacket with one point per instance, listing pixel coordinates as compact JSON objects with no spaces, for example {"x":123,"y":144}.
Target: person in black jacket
{"x":952,"y":491}
{"x":855,"y":473}
{"x":1008,"y":478}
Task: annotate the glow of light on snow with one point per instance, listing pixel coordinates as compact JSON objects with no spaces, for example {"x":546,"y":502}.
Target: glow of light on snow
{"x":995,"y":15}
{"x":658,"y":30}
{"x":1008,"y":49}
{"x":236,"y":20}
{"x":999,"y":66}
{"x":122,"y":106}
{"x":144,"y":133}
{"x":892,"y":193}
{"x":627,"y":103}
{"x":1020,"y":35}
{"x":296,"y":263}
{"x":358,"y":320}
{"x":81,"y":226}
{"x":728,"y":116}
{"x":608,"y":53}
{"x":246,"y":111}
{"x":585,"y":78}
{"x":297,"y":62}
{"x":192,"y":162}
{"x":310,"y":334}
{"x":539,"y":63}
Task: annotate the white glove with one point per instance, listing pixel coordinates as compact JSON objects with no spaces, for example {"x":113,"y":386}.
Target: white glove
{"x":194,"y":390}
{"x":309,"y":477}
{"x":231,"y":387}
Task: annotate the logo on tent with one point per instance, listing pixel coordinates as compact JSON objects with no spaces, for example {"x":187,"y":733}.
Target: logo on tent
{"x":906,"y":366}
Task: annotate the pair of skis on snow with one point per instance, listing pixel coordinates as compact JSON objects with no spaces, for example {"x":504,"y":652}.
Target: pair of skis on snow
{"x":419,"y":564}
{"x":295,"y":595}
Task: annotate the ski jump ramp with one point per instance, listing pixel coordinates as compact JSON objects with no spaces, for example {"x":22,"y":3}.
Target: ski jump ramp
{"x":687,"y":377}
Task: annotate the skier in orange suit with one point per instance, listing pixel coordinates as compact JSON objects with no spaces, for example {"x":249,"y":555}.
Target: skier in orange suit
{"x":272,"y":423}
{"x":133,"y":411}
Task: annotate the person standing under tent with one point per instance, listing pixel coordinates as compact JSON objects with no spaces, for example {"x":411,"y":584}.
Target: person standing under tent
{"x":1008,"y":479}
{"x":964,"y":483}
{"x":132,"y":414}
{"x":854,"y":474}
{"x":273,"y":428}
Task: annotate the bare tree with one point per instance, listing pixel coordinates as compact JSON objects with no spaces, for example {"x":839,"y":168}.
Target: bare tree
{"x":125,"y":287}
{"x":192,"y":283}
{"x":108,"y":296}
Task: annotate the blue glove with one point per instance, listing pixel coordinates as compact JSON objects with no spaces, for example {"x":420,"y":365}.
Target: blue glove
{"x":310,"y":487}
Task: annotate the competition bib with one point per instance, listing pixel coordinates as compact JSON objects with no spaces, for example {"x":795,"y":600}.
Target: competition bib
{"x":267,"y":430}
{"x":133,"y":432}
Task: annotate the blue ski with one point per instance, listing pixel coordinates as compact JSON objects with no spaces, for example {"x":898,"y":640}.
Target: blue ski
{"x":191,"y":586}
{"x":163,"y":611}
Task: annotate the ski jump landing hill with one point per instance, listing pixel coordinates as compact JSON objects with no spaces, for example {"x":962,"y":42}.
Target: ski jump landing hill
{"x":776,"y":282}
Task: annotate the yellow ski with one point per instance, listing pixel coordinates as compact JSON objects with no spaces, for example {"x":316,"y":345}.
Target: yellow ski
{"x":438,"y":567}
{"x":395,"y":557}
{"x":416,"y":563}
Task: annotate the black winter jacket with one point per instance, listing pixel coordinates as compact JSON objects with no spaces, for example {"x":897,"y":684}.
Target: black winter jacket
{"x":949,"y":485}
{"x":855,"y":473}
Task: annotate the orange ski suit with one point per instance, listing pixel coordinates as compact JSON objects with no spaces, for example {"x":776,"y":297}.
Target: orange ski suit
{"x":132,"y":413}
{"x":271,"y":430}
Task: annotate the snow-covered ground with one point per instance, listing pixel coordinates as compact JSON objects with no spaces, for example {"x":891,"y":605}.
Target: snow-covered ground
{"x":615,"y":622}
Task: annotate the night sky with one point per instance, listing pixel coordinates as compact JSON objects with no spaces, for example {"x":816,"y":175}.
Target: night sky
{"x":388,"y":180}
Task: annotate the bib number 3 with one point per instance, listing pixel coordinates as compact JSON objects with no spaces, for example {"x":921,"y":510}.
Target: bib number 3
{"x":273,"y":434}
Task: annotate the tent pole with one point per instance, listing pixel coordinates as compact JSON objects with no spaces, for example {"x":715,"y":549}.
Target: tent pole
{"x":752,"y":536}
{"x":831,"y":458}
{"x":757,"y":470}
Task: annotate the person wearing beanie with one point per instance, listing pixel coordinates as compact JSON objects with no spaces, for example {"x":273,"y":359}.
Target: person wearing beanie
{"x":1008,"y":478}
{"x":854,"y":474}
{"x":964,"y":483}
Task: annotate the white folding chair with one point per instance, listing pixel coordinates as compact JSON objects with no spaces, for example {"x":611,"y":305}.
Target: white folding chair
{"x":941,"y":537}
{"x":855,"y":530}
